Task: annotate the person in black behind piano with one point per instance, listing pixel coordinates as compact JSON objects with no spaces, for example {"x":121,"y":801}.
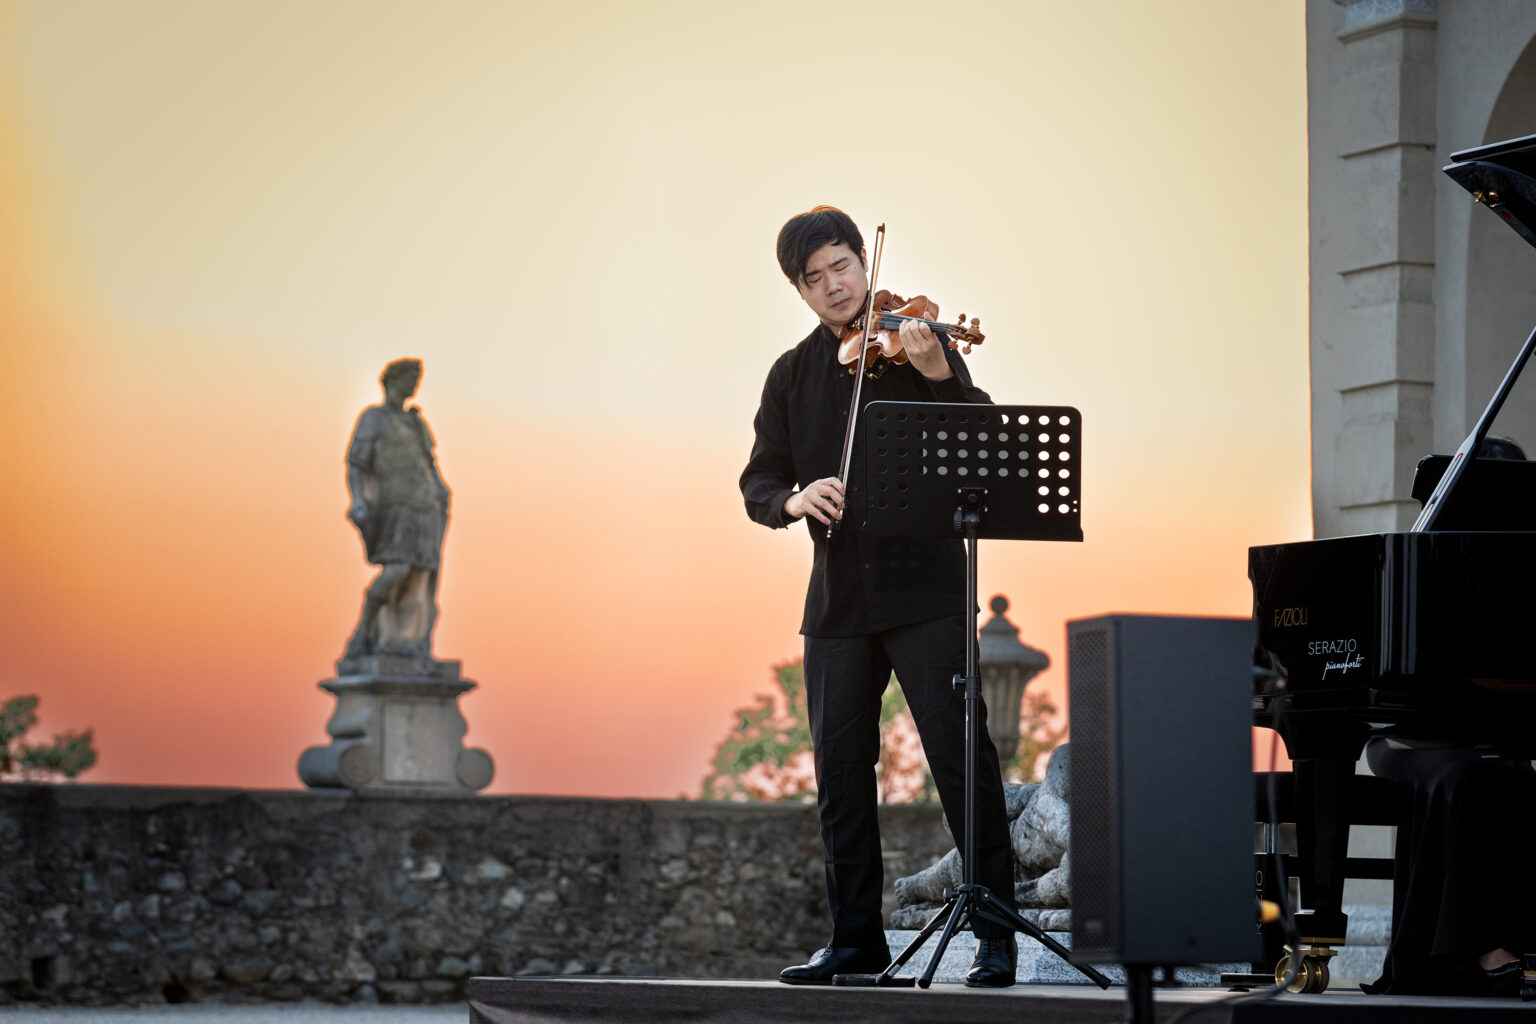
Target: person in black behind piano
{"x":873,"y":605}
{"x":1462,"y":908}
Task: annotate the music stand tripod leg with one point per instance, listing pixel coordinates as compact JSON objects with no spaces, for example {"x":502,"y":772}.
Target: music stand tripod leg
{"x":888,"y":976}
{"x":990,"y":907}
{"x":960,"y":913}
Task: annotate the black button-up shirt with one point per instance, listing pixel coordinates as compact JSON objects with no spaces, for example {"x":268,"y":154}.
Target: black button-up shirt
{"x":858,"y":584}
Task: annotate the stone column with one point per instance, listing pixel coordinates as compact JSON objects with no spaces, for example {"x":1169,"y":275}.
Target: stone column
{"x":1371,"y":173}
{"x":1007,"y":666}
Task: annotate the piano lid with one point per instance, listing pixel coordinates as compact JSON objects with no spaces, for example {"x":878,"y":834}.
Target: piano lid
{"x":1503,"y":178}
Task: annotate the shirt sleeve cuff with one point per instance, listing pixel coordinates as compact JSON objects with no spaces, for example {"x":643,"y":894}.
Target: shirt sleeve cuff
{"x":781,"y":519}
{"x":947,"y":390}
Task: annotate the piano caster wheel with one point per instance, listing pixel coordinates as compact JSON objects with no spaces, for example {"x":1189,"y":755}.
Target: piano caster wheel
{"x":1312,"y":975}
{"x":1304,"y":974}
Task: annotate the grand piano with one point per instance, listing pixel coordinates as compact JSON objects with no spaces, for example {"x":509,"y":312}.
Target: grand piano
{"x":1424,"y":635}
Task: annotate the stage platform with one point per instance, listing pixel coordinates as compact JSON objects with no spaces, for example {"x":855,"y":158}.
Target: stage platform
{"x":670,"y":1001}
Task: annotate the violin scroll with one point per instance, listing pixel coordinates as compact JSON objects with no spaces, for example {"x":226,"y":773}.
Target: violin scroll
{"x":967,"y":336}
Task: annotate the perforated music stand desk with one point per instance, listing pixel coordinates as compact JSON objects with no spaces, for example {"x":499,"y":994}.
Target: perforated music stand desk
{"x":1019,"y":466}
{"x":1008,"y":472}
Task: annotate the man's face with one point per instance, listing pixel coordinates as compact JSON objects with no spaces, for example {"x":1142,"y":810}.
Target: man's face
{"x":834,"y":284}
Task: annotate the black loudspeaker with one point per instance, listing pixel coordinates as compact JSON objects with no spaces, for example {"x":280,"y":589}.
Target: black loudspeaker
{"x":1161,"y":785}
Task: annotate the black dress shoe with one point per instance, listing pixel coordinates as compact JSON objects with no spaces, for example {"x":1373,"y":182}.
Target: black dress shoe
{"x":1499,"y":983}
{"x":834,"y":960}
{"x":996,"y":964}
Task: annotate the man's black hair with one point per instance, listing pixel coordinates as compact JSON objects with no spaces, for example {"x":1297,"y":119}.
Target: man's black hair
{"x":804,"y":233}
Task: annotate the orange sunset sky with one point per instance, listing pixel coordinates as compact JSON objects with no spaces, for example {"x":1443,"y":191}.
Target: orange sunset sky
{"x":218,"y":221}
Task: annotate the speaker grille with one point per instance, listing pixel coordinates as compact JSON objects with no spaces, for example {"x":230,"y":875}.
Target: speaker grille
{"x":1162,"y":793}
{"x":1095,"y":881}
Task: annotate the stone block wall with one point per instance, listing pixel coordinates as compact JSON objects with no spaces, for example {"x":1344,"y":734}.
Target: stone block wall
{"x":145,"y":895}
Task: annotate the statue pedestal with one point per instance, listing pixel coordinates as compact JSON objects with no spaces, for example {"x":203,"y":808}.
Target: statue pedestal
{"x":396,"y":726}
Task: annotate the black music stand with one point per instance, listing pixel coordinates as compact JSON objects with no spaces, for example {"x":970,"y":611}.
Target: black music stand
{"x":998,"y":471}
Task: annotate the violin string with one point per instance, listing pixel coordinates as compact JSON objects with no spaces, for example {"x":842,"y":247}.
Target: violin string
{"x":889,"y":320}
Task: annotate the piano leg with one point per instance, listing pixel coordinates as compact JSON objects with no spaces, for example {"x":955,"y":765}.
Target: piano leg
{"x":1322,"y":845}
{"x":1323,"y":758}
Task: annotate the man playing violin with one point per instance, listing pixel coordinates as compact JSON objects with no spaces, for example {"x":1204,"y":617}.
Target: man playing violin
{"x":873,"y":605}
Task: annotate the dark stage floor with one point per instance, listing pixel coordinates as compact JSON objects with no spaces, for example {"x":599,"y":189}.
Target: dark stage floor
{"x":673,"y":1001}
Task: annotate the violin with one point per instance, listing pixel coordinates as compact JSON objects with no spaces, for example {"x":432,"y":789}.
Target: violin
{"x":887,"y":313}
{"x":874,"y":334}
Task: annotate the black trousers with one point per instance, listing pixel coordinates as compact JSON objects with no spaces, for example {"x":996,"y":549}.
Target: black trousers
{"x":1459,"y":886}
{"x":844,"y":679}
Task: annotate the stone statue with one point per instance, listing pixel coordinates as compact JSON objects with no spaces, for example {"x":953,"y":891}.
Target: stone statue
{"x":400,"y":506}
{"x":1040,"y":831}
{"x":397,"y":723}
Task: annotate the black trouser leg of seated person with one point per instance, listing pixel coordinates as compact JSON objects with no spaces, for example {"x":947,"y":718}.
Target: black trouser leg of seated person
{"x":845,"y":677}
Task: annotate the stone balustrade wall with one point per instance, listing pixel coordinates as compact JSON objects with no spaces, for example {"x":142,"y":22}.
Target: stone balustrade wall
{"x":145,"y":895}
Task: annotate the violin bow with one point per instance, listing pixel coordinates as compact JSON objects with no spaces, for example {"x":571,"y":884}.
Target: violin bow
{"x":858,"y":375}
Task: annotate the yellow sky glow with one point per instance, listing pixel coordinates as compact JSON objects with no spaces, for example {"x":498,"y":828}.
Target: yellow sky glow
{"x":219,"y":221}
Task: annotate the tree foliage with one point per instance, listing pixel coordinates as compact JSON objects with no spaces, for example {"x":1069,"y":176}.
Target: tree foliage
{"x":1040,"y":732}
{"x":68,"y":755}
{"x":767,"y":754}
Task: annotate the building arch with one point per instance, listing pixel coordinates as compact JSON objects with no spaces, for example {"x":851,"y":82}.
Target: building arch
{"x":1501,"y":278}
